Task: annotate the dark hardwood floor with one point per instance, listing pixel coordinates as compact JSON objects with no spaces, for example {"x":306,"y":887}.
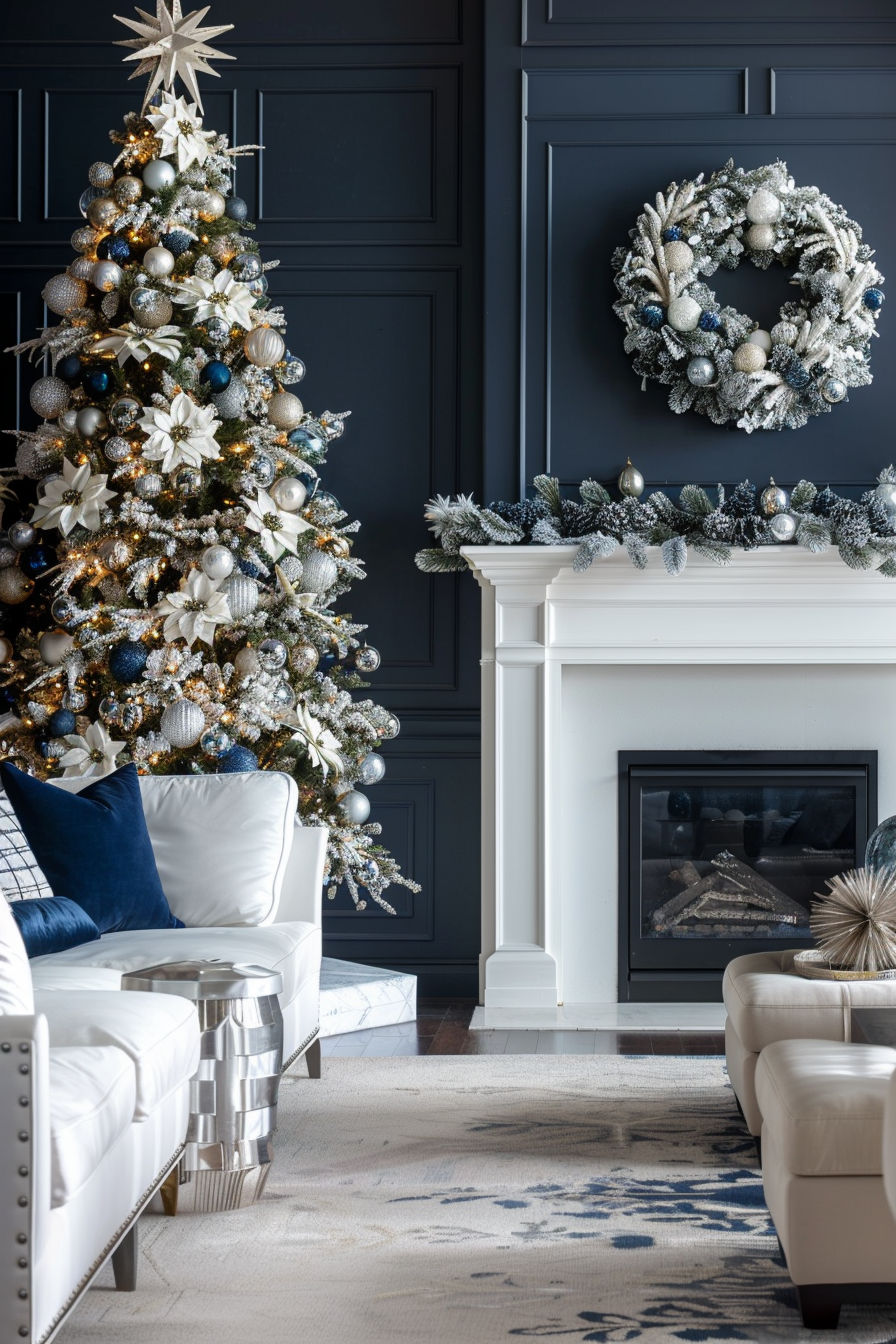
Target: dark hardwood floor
{"x":443,"y":1028}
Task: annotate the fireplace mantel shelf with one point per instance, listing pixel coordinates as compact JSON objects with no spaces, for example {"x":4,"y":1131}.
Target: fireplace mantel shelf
{"x":777,"y":607}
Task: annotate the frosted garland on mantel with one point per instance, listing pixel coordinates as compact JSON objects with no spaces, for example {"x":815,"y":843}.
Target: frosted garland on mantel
{"x":716,"y":361}
{"x":864,"y":531}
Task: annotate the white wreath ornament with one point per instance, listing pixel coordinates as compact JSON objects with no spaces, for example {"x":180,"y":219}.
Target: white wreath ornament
{"x":716,"y":360}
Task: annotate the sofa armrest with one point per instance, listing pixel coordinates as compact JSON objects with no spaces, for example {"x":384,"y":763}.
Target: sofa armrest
{"x":24,"y":1168}
{"x":303,"y":881}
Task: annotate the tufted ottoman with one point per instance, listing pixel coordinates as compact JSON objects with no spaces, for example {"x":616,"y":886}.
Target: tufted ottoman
{"x":822,"y":1105}
{"x":766,"y":1001}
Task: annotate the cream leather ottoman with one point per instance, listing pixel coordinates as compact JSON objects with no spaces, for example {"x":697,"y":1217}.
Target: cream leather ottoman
{"x":822,"y":1107}
{"x":767,"y":1001}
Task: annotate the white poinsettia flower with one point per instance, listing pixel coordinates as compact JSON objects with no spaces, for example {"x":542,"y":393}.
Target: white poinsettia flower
{"x":222,"y":297}
{"x":132,"y":342}
{"x":178,"y":126}
{"x":277,"y":530}
{"x":185,"y":433}
{"x":194,"y":611}
{"x":93,"y":754}
{"x":321,"y":745}
{"x":74,"y":497}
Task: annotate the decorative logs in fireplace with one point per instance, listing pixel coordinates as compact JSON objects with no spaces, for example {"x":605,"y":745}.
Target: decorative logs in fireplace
{"x":732,"y":899}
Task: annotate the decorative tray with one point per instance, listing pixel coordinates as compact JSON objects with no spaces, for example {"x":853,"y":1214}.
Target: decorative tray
{"x":814,"y":966}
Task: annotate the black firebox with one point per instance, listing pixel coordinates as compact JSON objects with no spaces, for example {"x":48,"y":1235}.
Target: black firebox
{"x":721,"y":853}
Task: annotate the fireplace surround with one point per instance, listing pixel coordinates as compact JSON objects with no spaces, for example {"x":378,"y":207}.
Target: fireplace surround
{"x":783,"y":650}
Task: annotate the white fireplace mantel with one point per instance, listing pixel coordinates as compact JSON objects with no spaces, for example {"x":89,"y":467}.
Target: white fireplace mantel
{"x":776,"y":607}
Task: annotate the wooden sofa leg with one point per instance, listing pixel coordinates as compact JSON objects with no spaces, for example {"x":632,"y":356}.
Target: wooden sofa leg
{"x":312,"y":1056}
{"x":124,"y":1260}
{"x":819,"y":1308}
{"x":169,"y":1190}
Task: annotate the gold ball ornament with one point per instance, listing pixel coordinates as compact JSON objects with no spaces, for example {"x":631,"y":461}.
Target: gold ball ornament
{"x":103,"y":212}
{"x":631,"y":482}
{"x":285,"y":411}
{"x":128,"y":190}
{"x":85,"y":240}
{"x":15,"y":586}
{"x":760,"y":237}
{"x":678,"y":257}
{"x":211,"y":206}
{"x":336,"y":545}
{"x":749,"y":358}
{"x":63,"y":294}
{"x":101,"y":175}
{"x":264,"y":347}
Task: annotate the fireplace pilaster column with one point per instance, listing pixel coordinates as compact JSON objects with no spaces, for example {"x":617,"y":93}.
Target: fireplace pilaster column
{"x":520,"y":723}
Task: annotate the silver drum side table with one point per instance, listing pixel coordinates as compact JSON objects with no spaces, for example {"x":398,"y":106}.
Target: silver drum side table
{"x":233,"y":1101}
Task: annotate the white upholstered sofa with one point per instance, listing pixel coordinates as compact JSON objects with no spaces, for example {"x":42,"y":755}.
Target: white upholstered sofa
{"x":94,"y":1082}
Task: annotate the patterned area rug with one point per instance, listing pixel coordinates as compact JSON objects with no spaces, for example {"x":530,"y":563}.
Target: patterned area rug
{"x":464,"y":1200}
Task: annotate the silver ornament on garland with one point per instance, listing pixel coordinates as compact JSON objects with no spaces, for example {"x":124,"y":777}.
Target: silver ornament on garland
{"x":54,"y":645}
{"x":631,"y":482}
{"x":392,"y":728}
{"x":242,"y":595}
{"x":783,"y":526}
{"x":372,"y":768}
{"x":773,"y":499}
{"x":886,"y":493}
{"x":834,"y":390}
{"x":355,"y":808}
{"x":701,"y":371}
{"x":182,"y":723}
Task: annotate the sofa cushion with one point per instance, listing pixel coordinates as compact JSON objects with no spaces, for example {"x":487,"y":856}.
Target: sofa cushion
{"x":158,"y":1033}
{"x":221,"y":842}
{"x":21,"y":877}
{"x":94,"y":848}
{"x":92,"y":1098}
{"x":824,"y":1103}
{"x":16,"y":994}
{"x":50,"y":974}
{"x":52,"y":924}
{"x":768,"y":1001}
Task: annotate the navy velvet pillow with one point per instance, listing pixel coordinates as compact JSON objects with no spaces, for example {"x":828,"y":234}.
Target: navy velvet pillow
{"x":52,"y":924}
{"x":94,"y":847}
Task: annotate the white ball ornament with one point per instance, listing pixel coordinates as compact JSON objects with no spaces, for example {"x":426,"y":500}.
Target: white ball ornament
{"x":678,"y":257}
{"x":748,"y":358}
{"x":762,"y":339}
{"x":763,"y":207}
{"x":54,"y":645}
{"x":107,"y":276}
{"x":158,"y":262}
{"x":50,"y":397}
{"x":90,"y":422}
{"x":63,"y":294}
{"x":217,"y":562}
{"x":683,"y":313}
{"x":285,"y":411}
{"x":264,"y":347}
{"x":289,"y":494}
{"x":158,"y":173}
{"x":182,"y":723}
{"x":760,"y":237}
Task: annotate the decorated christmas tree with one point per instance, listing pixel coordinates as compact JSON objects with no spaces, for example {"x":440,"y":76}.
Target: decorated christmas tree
{"x":169,"y":599}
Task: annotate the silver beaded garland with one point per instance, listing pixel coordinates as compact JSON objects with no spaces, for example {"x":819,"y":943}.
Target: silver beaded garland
{"x":182,"y":723}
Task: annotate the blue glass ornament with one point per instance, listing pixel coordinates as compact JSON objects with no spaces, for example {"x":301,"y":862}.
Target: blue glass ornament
{"x":36,"y":559}
{"x":679,"y":804}
{"x":709,"y":321}
{"x":652,"y":316}
{"x":70,"y":368}
{"x":251,"y":571}
{"x":880,"y":852}
{"x":237,"y":761}
{"x":217,"y":375}
{"x":61,"y":722}
{"x":308,"y":439}
{"x":8,"y":697}
{"x":236,"y":208}
{"x":673,"y":234}
{"x":328,"y":661}
{"x":127,"y":660}
{"x":797,"y":376}
{"x":44,"y":748}
{"x":177,"y":242}
{"x":115,"y":249}
{"x":873,"y":299}
{"x":96,"y":381}
{"x":310,"y":482}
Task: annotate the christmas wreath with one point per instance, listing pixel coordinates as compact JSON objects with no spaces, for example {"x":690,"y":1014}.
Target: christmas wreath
{"x":717,"y":361}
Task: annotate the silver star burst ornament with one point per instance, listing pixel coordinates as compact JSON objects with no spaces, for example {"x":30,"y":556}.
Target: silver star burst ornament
{"x":172,"y":46}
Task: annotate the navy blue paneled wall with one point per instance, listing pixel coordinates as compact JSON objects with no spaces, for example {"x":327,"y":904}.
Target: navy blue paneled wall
{"x":368,"y":189}
{"x":591,"y":109}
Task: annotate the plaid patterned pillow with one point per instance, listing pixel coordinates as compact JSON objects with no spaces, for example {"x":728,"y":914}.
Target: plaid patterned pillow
{"x":20,"y":877}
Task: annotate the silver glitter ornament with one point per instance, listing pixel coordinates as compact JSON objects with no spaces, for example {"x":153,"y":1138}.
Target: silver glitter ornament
{"x":117,"y":449}
{"x":372,"y":768}
{"x":231,"y":403}
{"x":367,"y":659}
{"x":101,"y":175}
{"x":783,"y":527}
{"x":247,"y":663}
{"x":215,"y":741}
{"x":247,"y":266}
{"x":182,"y":723}
{"x":833,"y":390}
{"x":91,"y":422}
{"x":355,"y":808}
{"x":148,"y":486}
{"x":211,"y":205}
{"x":151,"y":308}
{"x":631,"y":482}
{"x":63,"y":294}
{"x":289,"y":494}
{"x":290,"y":565}
{"x":107,"y":276}
{"x":285,"y":411}
{"x":773,"y":499}
{"x":264,"y":347}
{"x":303,"y":659}
{"x":320,"y":572}
{"x":109,"y":305}
{"x":218,"y":330}
{"x":124,"y":413}
{"x":273,"y":654}
{"x":188,"y":482}
{"x":242,"y":595}
{"x":701,"y":371}
{"x":82,"y":268}
{"x":217,"y":562}
{"x":21,"y":535}
{"x":49,"y":397}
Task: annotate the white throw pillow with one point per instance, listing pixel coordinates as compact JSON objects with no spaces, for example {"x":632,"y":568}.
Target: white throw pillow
{"x":16,"y":992}
{"x":221,"y":842}
{"x":20,"y":876}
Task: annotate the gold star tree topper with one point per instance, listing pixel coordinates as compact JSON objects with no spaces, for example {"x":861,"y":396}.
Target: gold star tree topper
{"x":172,"y":46}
